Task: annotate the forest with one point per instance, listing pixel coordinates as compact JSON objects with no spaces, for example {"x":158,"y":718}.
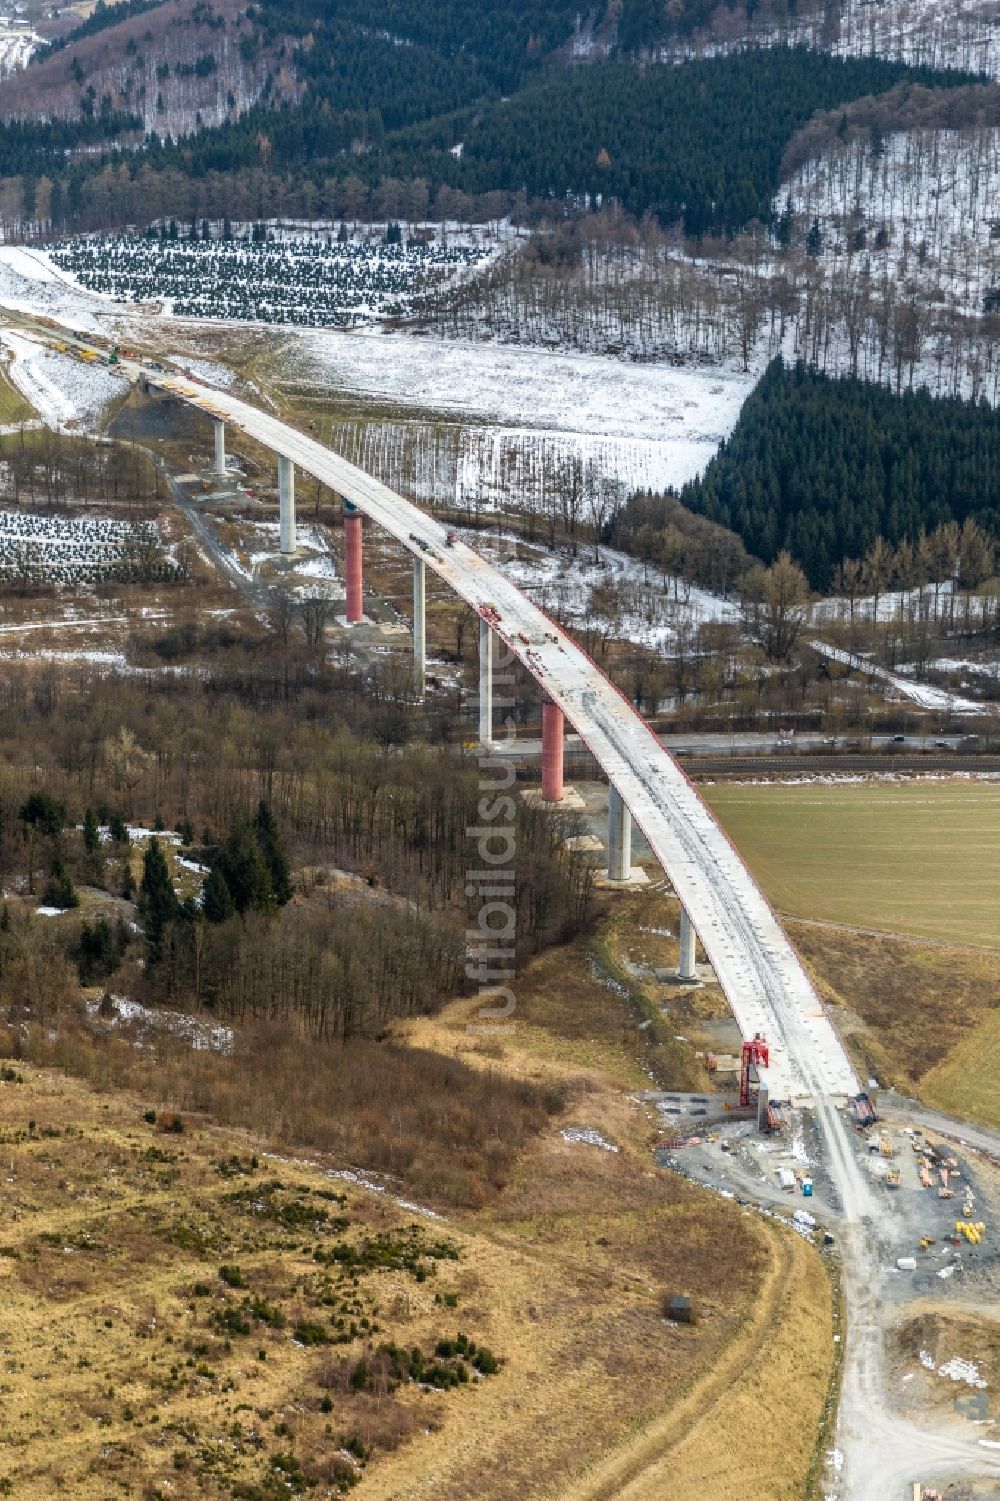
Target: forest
{"x":822,"y":466}
{"x":664,"y":141}
{"x":659,"y":142}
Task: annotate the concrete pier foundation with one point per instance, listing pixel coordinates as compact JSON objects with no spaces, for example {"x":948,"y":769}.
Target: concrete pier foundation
{"x":552,"y":752}
{"x":419,"y":625}
{"x":619,"y":838}
{"x":485,"y":683}
{"x":353,"y":566}
{"x":286,"y":504}
{"x":220,"y":447}
{"x":686,"y":963}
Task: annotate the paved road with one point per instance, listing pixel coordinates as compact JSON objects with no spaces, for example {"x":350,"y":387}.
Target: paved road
{"x":899,"y":1107}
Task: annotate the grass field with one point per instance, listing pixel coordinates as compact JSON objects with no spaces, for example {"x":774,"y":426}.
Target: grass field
{"x":13,"y":407}
{"x":965,"y":1083}
{"x":919,"y":858}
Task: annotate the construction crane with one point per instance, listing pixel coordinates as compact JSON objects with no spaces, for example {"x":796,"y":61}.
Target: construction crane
{"x":755,"y":1053}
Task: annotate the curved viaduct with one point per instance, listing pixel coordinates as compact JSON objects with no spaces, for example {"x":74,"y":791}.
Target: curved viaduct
{"x":763,"y":980}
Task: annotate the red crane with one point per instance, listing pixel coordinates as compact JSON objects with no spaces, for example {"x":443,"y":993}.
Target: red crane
{"x":754,"y":1052}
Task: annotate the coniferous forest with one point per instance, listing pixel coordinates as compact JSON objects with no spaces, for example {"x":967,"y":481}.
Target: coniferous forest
{"x":701,"y":143}
{"x":822,"y":466}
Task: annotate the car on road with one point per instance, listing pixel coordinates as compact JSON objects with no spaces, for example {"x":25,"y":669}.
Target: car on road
{"x":896,"y":739}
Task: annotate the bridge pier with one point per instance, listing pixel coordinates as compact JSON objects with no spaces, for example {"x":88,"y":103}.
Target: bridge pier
{"x":220,"y":447}
{"x":286,"y":504}
{"x":619,"y":837}
{"x":353,"y":571}
{"x":686,"y":961}
{"x":485,"y":683}
{"x":552,"y":752}
{"x":419,"y":626}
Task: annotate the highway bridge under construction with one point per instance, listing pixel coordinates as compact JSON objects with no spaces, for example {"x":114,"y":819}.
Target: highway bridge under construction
{"x":763,"y":980}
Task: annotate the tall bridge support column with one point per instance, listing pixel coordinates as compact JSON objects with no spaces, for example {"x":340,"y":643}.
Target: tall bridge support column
{"x":552,"y":752}
{"x":485,"y":683}
{"x":286,"y":504}
{"x":419,"y":626}
{"x":220,"y":447}
{"x":619,"y":838}
{"x":353,"y":569}
{"x":685,"y":966}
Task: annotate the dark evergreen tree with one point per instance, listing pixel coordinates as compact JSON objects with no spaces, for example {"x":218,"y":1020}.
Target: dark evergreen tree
{"x":59,"y":889}
{"x":217,"y":899}
{"x":42,"y":811}
{"x":158,"y":903}
{"x":269,"y":841}
{"x":91,"y":833}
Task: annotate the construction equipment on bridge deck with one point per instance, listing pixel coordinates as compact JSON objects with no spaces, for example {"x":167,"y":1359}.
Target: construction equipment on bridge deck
{"x":864,"y":1111}
{"x":755,"y":1052}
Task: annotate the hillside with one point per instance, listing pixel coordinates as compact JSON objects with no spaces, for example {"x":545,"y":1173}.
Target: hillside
{"x":175,"y":66}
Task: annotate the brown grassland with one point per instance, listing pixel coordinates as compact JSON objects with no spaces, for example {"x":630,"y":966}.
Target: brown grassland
{"x":129,"y":1371}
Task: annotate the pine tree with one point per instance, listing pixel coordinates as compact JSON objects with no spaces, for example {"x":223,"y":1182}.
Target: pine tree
{"x":91,"y":833}
{"x":269,"y":840}
{"x":59,"y":890}
{"x":242,"y":863}
{"x":217,"y":899}
{"x":157,"y":899}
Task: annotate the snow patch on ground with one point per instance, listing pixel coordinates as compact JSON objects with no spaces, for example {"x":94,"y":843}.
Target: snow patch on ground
{"x":641,"y":607}
{"x":568,"y":393}
{"x":202,"y":1035}
{"x":587,"y":1137}
{"x":956,"y":1369}
{"x":66,"y":393}
{"x":30,"y":283}
{"x":919,"y":693}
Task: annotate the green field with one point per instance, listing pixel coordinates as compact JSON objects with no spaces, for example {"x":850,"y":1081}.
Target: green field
{"x":13,"y":407}
{"x":920,"y":858}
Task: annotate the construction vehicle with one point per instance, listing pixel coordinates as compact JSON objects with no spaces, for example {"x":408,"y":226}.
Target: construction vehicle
{"x":892,"y":1177}
{"x":864,"y":1111}
{"x":88,"y":356}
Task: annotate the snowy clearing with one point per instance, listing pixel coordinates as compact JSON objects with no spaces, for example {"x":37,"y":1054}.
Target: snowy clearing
{"x":645,"y":425}
{"x":30,"y":283}
{"x":579,"y":394}
{"x":64,"y":392}
{"x":919,"y":693}
{"x":616,"y":597}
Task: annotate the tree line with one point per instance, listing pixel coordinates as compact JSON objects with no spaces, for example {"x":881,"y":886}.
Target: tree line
{"x":658,"y":142}
{"x":822,"y":466}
